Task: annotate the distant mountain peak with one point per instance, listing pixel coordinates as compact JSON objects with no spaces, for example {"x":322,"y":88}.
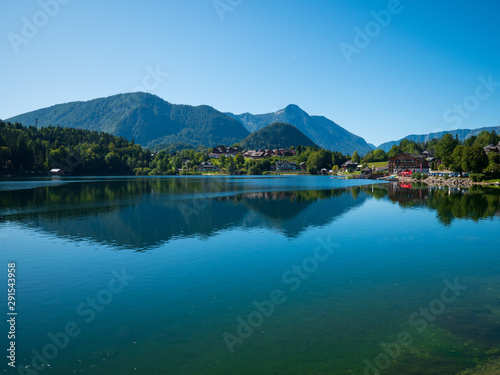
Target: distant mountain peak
{"x":322,"y":131}
{"x":295,"y":110}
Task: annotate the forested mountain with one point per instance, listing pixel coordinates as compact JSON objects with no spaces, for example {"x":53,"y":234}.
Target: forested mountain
{"x":462,"y":135}
{"x":322,"y":131}
{"x":146,"y":118}
{"x":277,"y":135}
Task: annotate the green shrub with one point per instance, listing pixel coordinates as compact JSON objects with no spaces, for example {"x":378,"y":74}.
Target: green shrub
{"x":254,"y":171}
{"x":476,"y":177}
{"x":419,"y":176}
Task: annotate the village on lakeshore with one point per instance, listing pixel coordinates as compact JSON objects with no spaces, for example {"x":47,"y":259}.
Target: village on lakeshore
{"x":462,"y":163}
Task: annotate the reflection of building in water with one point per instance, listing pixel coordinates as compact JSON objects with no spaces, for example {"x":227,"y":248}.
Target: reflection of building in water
{"x":404,"y":193}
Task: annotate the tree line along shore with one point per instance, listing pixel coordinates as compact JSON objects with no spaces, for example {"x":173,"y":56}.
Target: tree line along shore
{"x":36,"y":151}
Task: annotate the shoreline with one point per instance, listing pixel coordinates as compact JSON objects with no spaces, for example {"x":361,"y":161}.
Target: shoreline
{"x":452,"y":182}
{"x":431,"y":181}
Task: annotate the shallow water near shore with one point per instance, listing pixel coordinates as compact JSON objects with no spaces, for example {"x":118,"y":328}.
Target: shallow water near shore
{"x":326,"y":275}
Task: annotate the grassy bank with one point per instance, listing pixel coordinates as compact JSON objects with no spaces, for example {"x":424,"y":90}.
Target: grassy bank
{"x":378,"y":164}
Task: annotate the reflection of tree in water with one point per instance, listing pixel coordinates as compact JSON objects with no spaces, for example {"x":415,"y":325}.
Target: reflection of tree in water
{"x":88,"y":198}
{"x":475,"y":203}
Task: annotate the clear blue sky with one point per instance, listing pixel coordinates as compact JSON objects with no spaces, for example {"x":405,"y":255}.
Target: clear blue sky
{"x":261,"y":56}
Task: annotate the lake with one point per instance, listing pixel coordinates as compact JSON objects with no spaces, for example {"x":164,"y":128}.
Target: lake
{"x":250,"y":275}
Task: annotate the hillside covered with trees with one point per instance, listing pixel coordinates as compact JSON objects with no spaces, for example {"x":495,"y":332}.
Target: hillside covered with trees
{"x":28,"y":149}
{"x":277,"y":135}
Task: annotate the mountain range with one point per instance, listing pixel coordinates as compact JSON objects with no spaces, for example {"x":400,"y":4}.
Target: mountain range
{"x":462,"y":134}
{"x":156,"y":123}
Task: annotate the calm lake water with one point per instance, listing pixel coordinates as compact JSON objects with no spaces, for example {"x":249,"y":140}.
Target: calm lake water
{"x":250,"y":275}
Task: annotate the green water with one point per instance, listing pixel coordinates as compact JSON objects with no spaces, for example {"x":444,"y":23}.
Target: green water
{"x":329,"y":272}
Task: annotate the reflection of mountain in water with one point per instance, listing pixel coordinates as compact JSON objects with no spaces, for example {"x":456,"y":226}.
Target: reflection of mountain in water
{"x":143,"y":214}
{"x":291,"y":213}
{"x":450,"y":203}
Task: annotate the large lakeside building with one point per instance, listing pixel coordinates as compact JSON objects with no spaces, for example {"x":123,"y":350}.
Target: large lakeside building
{"x":408,"y":164}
